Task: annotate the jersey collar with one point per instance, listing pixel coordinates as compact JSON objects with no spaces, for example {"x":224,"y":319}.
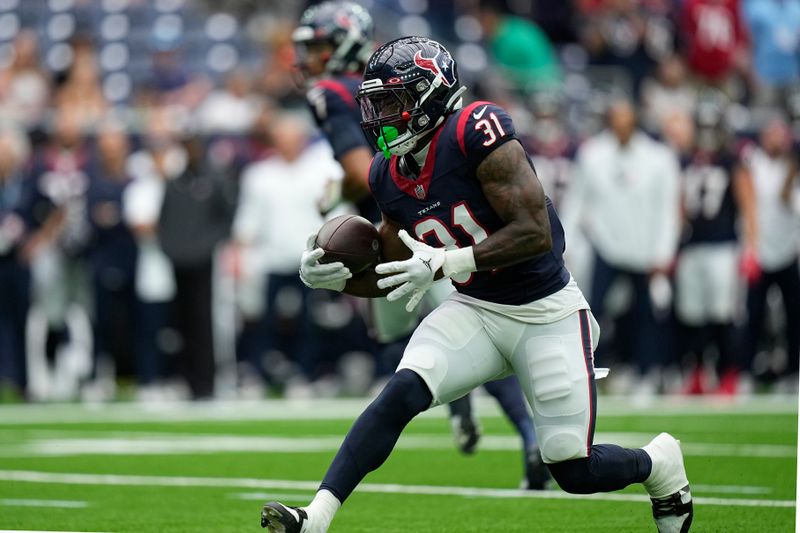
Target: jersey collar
{"x":419,"y":187}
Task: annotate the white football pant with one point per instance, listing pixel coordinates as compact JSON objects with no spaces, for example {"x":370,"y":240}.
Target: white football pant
{"x":460,"y":346}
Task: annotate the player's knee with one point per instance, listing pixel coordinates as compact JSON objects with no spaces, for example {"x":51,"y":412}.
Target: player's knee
{"x":572,"y":476}
{"x":555,"y":400}
{"x":560,"y":404}
{"x":562,"y":443}
{"x":404,"y":397}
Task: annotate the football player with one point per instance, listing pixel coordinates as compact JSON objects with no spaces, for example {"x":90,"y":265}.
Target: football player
{"x":333,"y":44}
{"x":456,"y":187}
{"x":715,"y":196}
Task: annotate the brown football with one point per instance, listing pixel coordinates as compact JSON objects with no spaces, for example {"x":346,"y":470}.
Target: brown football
{"x":351,"y":239}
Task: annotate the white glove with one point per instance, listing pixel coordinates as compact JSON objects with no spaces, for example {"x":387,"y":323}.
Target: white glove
{"x":313,"y":274}
{"x":416,"y":275}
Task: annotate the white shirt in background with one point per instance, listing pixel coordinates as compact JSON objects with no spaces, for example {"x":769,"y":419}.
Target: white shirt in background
{"x":278,"y":206}
{"x":626,"y":200}
{"x":778,"y":224}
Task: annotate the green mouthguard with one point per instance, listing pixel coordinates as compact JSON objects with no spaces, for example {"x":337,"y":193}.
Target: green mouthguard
{"x":388,"y":134}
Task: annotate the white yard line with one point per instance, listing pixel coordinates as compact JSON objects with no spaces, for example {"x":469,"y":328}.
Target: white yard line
{"x":31,"y":531}
{"x":63,"y":504}
{"x":347,"y":409}
{"x":133,"y":443}
{"x":698,"y":488}
{"x":303,"y":497}
{"x":374,"y":488}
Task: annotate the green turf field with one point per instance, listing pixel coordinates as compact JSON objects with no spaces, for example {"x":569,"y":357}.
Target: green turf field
{"x":208,"y":468}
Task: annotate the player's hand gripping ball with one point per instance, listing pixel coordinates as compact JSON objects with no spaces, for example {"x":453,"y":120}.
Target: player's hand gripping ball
{"x":344,"y":246}
{"x":415,"y":275}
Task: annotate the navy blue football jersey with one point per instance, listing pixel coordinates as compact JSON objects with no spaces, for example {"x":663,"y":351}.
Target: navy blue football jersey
{"x":708,"y":200}
{"x":445,"y":205}
{"x":333,"y":104}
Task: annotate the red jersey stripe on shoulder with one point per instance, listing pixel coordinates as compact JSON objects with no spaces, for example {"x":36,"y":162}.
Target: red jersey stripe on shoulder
{"x":340,"y":89}
{"x":462,"y":122}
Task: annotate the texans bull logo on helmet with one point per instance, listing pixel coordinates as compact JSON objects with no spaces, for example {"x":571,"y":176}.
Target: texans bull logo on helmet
{"x":439,"y":64}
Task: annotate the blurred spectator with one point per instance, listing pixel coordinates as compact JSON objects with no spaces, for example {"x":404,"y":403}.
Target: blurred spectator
{"x":161,"y":159}
{"x":278,"y":77}
{"x":112,"y":257}
{"x":550,"y":145}
{"x":14,"y":279}
{"x":232,"y":109}
{"x":626,"y":197}
{"x":773,"y":169}
{"x":552,"y":151}
{"x":716,"y":200}
{"x":520,"y":48}
{"x":60,"y":285}
{"x":24,"y":87}
{"x":775,"y":32}
{"x":677,"y":131}
{"x":81,"y":91}
{"x":715,"y":40}
{"x":668,"y":92}
{"x":625,"y":35}
{"x":195,"y":217}
{"x":278,"y":210}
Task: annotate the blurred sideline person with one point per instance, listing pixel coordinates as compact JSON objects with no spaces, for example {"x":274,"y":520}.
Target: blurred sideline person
{"x":195,"y":218}
{"x":60,"y":330}
{"x":161,"y":159}
{"x":458,"y":178}
{"x":715,"y":201}
{"x":333,"y":43}
{"x":626,"y":199}
{"x":773,"y":171}
{"x":278,"y":208}
{"x":112,"y":256}
{"x":15,"y":228}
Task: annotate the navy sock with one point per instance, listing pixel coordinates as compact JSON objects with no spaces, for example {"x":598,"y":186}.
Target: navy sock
{"x":374,"y":434}
{"x":461,"y":407}
{"x":608,"y":468}
{"x":508,"y":394}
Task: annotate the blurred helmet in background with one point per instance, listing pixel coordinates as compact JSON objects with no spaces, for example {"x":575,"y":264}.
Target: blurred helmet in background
{"x":333,"y":38}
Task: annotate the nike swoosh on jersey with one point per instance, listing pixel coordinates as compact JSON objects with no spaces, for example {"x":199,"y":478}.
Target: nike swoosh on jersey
{"x":479,"y":114}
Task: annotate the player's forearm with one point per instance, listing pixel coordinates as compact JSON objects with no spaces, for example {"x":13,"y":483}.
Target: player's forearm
{"x":354,"y":189}
{"x":356,"y":164}
{"x":512,"y":244}
{"x":746,"y":202}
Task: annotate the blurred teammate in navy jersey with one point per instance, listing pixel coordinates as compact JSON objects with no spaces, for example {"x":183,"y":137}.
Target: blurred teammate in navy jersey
{"x":455,"y":186}
{"x":714,"y":198}
{"x":333,"y":43}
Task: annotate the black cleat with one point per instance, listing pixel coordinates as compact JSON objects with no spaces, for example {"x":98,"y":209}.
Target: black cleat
{"x":673,"y":514}
{"x":467,"y":433}
{"x":537,"y":475}
{"x":279,"y":518}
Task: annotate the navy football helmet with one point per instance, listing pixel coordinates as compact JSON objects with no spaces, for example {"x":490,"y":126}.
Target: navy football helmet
{"x":345,"y":26}
{"x":410,"y":85}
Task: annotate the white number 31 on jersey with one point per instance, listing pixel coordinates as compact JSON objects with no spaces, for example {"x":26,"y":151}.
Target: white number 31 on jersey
{"x":489,"y":130}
